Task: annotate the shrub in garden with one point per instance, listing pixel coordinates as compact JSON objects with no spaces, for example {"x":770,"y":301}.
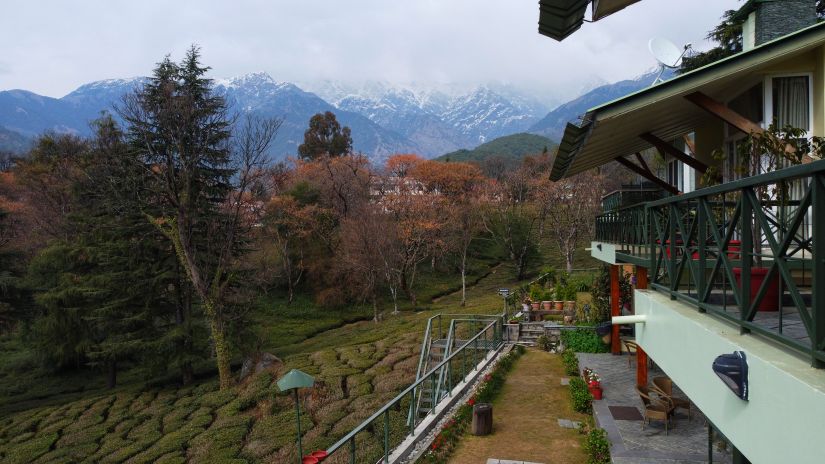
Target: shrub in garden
{"x":571,"y":363}
{"x":597,"y":446}
{"x":583,"y":341}
{"x":582,"y":401}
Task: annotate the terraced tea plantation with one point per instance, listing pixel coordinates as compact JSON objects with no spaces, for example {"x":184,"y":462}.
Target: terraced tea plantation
{"x":358,"y":367}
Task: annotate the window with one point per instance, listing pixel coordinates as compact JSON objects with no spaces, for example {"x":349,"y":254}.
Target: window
{"x":790,"y":101}
{"x":674,"y":174}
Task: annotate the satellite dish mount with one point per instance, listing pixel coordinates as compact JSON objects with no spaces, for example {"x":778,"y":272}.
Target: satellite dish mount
{"x":667,"y":54}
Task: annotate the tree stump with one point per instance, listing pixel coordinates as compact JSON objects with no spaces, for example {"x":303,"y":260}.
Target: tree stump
{"x":482,"y":419}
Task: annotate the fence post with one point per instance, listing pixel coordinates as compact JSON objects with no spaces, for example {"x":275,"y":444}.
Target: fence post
{"x":387,"y":435}
{"x":746,"y":255}
{"x":818,"y":278}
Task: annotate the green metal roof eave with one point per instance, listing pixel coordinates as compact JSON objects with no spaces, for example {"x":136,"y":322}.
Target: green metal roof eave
{"x":571,"y":142}
{"x":558,"y":19}
{"x":763,"y":49}
{"x":575,"y":139}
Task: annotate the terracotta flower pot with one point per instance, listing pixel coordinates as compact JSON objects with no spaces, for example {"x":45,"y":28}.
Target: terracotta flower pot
{"x":546,"y":305}
{"x":570,"y":305}
{"x":535,"y":305}
{"x":559,"y":305}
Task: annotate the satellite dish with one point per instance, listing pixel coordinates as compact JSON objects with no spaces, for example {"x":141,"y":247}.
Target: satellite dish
{"x":667,"y":54}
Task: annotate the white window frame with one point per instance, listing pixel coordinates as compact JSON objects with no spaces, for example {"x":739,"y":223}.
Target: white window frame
{"x":767,"y":99}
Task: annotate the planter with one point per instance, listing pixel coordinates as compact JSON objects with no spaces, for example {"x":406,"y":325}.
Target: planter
{"x":547,"y":305}
{"x":596,"y":391}
{"x":770,"y":302}
{"x":679,"y":243}
{"x":512,"y":332}
{"x":733,"y":249}
{"x":309,"y":460}
{"x":559,"y":305}
{"x":604,"y":329}
{"x":535,"y":305}
{"x":569,"y":305}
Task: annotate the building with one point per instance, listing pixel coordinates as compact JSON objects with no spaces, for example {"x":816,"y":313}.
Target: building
{"x":736,"y":267}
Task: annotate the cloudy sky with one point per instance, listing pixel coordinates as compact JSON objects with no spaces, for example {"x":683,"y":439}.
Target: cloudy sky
{"x":53,"y":46}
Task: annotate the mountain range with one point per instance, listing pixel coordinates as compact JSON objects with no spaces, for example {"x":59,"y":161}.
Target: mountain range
{"x":384,"y":118}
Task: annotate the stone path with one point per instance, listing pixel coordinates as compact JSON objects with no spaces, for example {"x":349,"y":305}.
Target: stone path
{"x":687,"y":440}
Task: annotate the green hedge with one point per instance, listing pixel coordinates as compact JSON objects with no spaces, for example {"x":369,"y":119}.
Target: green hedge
{"x":583,"y":341}
{"x":582,"y":401}
{"x":597,"y":446}
{"x":571,"y":362}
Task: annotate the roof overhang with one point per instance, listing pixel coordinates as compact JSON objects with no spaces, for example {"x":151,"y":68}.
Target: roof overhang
{"x":602,"y":8}
{"x":560,"y":18}
{"x":612,"y":130}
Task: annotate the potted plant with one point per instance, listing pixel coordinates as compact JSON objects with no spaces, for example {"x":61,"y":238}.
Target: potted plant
{"x":570,"y":298}
{"x":558,"y":293}
{"x":594,"y":383}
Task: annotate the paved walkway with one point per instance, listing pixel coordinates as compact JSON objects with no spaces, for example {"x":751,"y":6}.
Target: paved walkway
{"x":525,"y":418}
{"x":687,"y":441}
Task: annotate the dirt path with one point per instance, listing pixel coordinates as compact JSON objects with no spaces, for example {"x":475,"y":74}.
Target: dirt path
{"x":525,"y":418}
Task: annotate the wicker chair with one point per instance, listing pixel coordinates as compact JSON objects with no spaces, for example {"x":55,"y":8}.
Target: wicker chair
{"x":631,"y":347}
{"x":656,"y":408}
{"x":663,"y":387}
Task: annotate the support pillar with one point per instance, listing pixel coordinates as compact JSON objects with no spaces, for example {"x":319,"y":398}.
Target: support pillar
{"x":641,"y":356}
{"x":615,"y":310}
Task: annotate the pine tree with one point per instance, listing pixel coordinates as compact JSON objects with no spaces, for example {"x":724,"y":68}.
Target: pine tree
{"x":181,"y":133}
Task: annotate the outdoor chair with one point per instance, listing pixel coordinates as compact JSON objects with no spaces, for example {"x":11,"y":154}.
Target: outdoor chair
{"x":631,"y":347}
{"x":663,"y":387}
{"x":655,"y":408}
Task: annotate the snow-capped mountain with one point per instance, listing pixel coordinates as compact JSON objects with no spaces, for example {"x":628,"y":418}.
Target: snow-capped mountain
{"x":30,"y":114}
{"x":456,"y":117}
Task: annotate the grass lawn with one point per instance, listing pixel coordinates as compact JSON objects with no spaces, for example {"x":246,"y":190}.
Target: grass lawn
{"x":525,"y":418}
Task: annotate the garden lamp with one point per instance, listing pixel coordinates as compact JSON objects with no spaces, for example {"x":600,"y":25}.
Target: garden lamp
{"x":294,"y":380}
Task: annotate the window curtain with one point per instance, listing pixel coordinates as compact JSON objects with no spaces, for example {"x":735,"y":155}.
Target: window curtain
{"x":790,"y":102}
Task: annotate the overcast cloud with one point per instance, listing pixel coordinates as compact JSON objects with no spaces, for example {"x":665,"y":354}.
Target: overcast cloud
{"x":52,"y":47}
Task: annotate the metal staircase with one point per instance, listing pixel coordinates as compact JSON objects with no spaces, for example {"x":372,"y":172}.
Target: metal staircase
{"x":438,"y":346}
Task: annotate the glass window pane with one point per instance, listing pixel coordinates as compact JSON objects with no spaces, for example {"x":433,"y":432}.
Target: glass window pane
{"x":791,"y":102}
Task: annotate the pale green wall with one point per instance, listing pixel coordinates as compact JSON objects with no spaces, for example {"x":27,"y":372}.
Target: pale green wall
{"x":782,"y":422}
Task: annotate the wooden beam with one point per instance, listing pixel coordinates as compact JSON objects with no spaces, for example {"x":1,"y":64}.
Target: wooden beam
{"x":647,"y":174}
{"x":642,"y":161}
{"x":665,"y":147}
{"x":615,"y":309}
{"x":724,"y":113}
{"x":641,"y":356}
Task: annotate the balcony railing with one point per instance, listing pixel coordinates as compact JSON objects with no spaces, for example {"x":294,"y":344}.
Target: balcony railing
{"x":630,"y":195}
{"x":745,"y":251}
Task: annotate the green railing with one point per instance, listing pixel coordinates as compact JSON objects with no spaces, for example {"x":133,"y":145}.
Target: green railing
{"x":375,"y":438}
{"x":629,"y":195}
{"x":745,"y":251}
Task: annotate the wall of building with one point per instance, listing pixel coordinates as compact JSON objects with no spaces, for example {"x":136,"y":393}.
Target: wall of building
{"x":777,"y":18}
{"x":781,"y":422}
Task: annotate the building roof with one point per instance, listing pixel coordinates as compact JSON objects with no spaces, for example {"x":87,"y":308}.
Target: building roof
{"x":560,"y":18}
{"x":612,"y":130}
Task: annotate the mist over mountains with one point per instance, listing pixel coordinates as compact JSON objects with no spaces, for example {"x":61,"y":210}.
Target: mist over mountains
{"x":384,"y":118}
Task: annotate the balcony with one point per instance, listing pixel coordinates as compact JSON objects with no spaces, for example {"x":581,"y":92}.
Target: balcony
{"x":758,"y":234}
{"x":629,"y":195}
